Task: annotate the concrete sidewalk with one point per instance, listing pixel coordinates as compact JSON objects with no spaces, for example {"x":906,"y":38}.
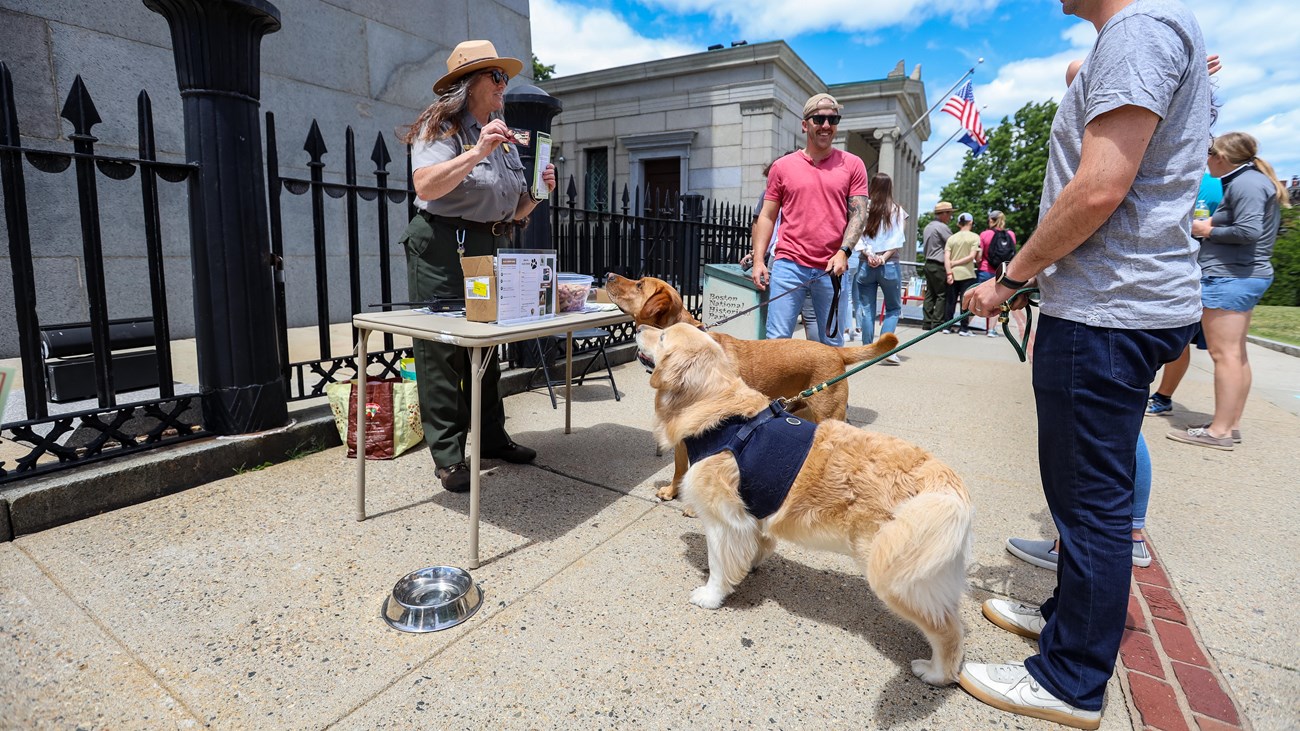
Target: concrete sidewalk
{"x":253,"y":602}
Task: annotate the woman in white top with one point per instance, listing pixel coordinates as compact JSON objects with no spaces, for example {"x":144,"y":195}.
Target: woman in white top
{"x":878,"y":261}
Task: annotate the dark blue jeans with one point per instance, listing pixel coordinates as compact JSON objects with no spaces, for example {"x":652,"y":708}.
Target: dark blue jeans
{"x":1090,"y":385}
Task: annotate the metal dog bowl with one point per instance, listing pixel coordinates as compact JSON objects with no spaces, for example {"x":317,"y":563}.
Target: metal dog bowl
{"x":431,"y":599}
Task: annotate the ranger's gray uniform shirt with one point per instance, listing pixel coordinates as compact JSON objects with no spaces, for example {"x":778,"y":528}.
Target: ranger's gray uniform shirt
{"x":1138,"y":270}
{"x":936,"y":239}
{"x":491,"y":191}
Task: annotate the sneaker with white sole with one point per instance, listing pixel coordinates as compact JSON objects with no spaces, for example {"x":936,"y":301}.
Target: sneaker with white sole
{"x":993,"y":333}
{"x":1010,"y":687}
{"x":1014,"y":617}
{"x":892,"y":360}
{"x":1141,"y":556}
{"x":1201,"y":437}
{"x":1157,"y":406}
{"x":1236,"y":433}
{"x":1039,"y":553}
{"x":1043,"y":553}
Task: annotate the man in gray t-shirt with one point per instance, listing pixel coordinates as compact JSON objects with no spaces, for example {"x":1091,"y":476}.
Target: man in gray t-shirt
{"x":1116,"y":265}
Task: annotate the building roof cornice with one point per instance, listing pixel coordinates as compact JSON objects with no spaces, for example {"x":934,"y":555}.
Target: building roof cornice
{"x":778,"y":52}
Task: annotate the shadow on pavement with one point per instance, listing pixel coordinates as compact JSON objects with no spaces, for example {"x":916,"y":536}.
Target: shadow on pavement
{"x":844,"y":600}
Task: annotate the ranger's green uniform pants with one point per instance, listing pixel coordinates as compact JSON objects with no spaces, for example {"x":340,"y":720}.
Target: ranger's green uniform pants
{"x":443,"y":371}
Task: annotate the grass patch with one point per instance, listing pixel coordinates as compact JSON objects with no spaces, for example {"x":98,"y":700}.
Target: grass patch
{"x":244,"y":468}
{"x":303,"y":449}
{"x":1276,"y":323}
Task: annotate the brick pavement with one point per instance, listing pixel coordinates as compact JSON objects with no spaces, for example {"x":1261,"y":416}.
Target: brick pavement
{"x":1171,"y":680}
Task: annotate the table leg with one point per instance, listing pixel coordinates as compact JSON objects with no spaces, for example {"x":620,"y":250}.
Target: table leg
{"x":477,"y":365}
{"x":360,"y":406}
{"x":568,"y":383}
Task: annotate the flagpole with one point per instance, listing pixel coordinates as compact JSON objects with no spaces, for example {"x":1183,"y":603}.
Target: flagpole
{"x":945,"y":144}
{"x":942,"y":99}
{"x":950,"y":139}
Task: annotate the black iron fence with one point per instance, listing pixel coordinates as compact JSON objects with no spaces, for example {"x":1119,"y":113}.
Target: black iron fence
{"x":48,"y":442}
{"x":665,"y":236}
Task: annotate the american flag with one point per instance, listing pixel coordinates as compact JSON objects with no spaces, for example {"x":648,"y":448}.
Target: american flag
{"x":962,"y":106}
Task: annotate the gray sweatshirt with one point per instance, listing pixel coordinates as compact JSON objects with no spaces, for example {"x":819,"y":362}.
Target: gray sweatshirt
{"x":1245,"y":226}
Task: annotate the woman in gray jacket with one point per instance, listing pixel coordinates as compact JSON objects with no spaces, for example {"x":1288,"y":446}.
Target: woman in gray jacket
{"x":1236,"y":245}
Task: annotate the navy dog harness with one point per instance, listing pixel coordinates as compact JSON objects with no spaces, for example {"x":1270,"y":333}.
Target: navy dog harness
{"x":770,"y":449}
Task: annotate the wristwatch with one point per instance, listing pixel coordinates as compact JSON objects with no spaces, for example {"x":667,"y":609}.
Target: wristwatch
{"x":848,"y":250}
{"x":1010,"y":283}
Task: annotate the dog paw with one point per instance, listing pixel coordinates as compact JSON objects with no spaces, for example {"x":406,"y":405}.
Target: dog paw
{"x":666,"y":493}
{"x":925,"y":670}
{"x":689,"y":513}
{"x":707,"y":597}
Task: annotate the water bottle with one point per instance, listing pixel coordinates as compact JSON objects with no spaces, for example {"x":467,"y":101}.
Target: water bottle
{"x":1202,"y":210}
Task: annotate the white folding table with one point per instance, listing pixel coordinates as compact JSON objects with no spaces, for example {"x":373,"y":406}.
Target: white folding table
{"x":479,"y":338}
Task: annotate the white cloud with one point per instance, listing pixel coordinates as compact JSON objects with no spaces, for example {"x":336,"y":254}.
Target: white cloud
{"x":785,"y":19}
{"x":1258,"y":88}
{"x":1016,"y":84}
{"x":607,"y":39}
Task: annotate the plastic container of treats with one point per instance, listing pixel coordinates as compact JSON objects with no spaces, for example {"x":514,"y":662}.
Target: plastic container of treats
{"x":573,"y":291}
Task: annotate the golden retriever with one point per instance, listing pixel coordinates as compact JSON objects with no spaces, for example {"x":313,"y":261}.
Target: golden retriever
{"x":903,"y":515}
{"x":778,"y":368}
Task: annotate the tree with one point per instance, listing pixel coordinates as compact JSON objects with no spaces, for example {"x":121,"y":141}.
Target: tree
{"x":542,"y":72}
{"x":1285,"y":289}
{"x":1008,"y":175}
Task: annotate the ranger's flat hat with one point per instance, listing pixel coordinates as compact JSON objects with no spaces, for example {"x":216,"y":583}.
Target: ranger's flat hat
{"x":471,"y":56}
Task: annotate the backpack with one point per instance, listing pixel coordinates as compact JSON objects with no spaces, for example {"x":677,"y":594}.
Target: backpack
{"x":1001,"y":250}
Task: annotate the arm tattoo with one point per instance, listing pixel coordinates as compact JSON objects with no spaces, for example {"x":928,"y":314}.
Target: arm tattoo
{"x":857,"y":220}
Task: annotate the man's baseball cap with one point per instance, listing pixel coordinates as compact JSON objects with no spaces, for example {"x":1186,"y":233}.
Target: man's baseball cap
{"x":817,"y":101}
{"x":965,"y":218}
{"x":943,"y":207}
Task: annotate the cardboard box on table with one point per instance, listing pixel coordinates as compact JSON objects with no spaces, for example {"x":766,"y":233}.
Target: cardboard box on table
{"x":480,"y":288}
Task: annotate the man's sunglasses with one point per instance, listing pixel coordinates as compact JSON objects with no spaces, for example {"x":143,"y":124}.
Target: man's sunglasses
{"x":820,"y":119}
{"x":498,"y":76}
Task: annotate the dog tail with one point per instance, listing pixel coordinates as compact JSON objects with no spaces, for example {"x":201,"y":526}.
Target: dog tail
{"x":886,"y":343}
{"x":920,"y":556}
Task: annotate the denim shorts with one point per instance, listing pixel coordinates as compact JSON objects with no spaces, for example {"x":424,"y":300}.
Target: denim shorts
{"x":1239,"y":294}
{"x":982,"y":277}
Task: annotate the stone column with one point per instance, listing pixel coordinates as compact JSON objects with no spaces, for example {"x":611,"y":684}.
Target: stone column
{"x":888,"y":161}
{"x":217,"y":45}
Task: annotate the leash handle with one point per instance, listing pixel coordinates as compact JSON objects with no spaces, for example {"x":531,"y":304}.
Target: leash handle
{"x":1031,"y":301}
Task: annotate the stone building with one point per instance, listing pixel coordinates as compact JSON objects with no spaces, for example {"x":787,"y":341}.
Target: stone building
{"x":707,"y":123}
{"x":368,"y":65}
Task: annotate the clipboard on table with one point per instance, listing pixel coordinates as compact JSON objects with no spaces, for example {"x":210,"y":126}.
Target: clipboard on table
{"x":541,"y":159}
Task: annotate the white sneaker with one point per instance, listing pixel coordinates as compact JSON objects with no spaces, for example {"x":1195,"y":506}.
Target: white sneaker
{"x":1010,"y":687}
{"x":1015,"y":617}
{"x":1141,"y":556}
{"x":892,"y":360}
{"x":993,"y":333}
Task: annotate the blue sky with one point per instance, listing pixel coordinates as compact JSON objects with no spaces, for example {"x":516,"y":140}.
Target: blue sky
{"x":1025,"y":44}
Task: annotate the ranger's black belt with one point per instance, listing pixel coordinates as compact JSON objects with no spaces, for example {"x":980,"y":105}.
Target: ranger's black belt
{"x":492,"y":228}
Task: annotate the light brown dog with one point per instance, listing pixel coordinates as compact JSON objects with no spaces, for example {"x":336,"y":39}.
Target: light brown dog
{"x":903,"y":515}
{"x":778,"y":368}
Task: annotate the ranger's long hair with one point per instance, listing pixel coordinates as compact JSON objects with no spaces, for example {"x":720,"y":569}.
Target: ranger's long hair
{"x":440,"y":119}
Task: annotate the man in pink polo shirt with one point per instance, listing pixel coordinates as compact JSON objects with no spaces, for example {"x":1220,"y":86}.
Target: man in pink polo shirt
{"x":821,"y":194}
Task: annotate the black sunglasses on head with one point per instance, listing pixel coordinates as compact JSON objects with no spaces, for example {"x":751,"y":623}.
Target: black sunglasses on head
{"x":498,"y":76}
{"x":820,"y":119}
